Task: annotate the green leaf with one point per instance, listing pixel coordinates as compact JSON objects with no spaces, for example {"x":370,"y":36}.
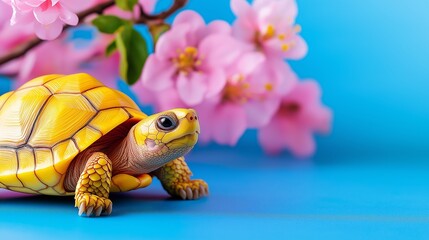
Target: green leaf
{"x":133,"y":50}
{"x":111,"y":48}
{"x":157,"y":30}
{"x":108,"y":23}
{"x":127,"y":5}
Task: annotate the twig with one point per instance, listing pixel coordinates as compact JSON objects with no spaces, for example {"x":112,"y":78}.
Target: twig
{"x":24,"y":48}
{"x":144,"y":18}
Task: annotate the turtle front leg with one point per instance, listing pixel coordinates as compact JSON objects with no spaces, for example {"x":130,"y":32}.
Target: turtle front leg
{"x":92,"y":190}
{"x":175,"y":178}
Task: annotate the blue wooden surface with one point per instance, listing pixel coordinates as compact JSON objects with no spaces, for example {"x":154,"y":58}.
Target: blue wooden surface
{"x":252,"y":197}
{"x":369,"y":179}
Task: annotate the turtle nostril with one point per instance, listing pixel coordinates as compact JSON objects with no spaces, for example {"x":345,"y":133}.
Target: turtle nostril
{"x":191,"y":116}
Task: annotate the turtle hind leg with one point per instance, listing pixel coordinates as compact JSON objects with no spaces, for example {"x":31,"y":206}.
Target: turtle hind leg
{"x":175,"y":177}
{"x":92,"y":189}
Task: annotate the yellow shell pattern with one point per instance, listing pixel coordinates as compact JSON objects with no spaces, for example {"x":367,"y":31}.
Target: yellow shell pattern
{"x":48,"y":121}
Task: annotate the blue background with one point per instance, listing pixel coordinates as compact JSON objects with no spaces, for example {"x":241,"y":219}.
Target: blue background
{"x":368,"y":180}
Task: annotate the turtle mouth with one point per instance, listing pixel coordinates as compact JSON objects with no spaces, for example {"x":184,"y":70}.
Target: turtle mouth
{"x":188,"y":140}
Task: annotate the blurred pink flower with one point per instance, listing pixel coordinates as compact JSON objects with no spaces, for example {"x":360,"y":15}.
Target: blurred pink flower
{"x":46,"y":17}
{"x":11,"y":37}
{"x":249,"y":100}
{"x":64,"y":56}
{"x":191,"y":58}
{"x":299,"y":115}
{"x":269,"y":25}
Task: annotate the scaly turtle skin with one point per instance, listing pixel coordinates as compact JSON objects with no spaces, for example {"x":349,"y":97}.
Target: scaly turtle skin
{"x":65,"y":135}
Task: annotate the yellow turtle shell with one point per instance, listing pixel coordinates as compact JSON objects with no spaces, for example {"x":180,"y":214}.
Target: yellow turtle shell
{"x":48,"y":121}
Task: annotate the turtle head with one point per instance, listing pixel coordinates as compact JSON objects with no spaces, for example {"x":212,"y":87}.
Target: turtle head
{"x":165,"y":136}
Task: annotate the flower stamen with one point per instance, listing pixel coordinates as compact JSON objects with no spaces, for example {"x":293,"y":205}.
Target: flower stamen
{"x":187,"y":60}
{"x":285,"y":47}
{"x":269,"y":33}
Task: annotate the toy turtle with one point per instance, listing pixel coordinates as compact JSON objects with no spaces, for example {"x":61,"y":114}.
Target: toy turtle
{"x":65,"y":135}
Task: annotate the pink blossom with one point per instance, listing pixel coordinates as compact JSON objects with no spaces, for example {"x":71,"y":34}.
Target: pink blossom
{"x":63,"y":56}
{"x":249,"y":100}
{"x":11,"y":37}
{"x":300,"y":114}
{"x":269,"y":25}
{"x":191,"y":58}
{"x":47,"y":17}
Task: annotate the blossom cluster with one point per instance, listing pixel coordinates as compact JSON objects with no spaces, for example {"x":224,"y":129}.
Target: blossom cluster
{"x":48,"y":17}
{"x":237,"y":76}
{"x":20,"y":20}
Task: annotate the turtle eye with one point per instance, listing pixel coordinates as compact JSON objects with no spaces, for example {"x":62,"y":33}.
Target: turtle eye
{"x":166,"y":123}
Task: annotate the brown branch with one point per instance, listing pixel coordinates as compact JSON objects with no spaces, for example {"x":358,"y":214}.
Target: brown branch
{"x":144,"y":18}
{"x":24,"y":48}
{"x":20,"y":51}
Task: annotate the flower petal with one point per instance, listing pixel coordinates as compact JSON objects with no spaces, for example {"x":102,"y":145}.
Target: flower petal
{"x":219,"y":26}
{"x":260,"y":112}
{"x":218,"y":55}
{"x":271,"y":138}
{"x":245,"y":26}
{"x":206,"y":112}
{"x":46,"y":14}
{"x":157,"y":74}
{"x":33,"y":3}
{"x":48,"y":32}
{"x":191,"y":88}
{"x":282,"y":133}
{"x":171,"y":42}
{"x":244,"y":31}
{"x":27,"y":66}
{"x":301,"y":142}
{"x":249,"y":62}
{"x":282,"y":75}
{"x":306,"y":92}
{"x":280,"y":14}
{"x":298,"y":50}
{"x":105,"y":69}
{"x":314,"y":114}
{"x":322,"y":120}
{"x":196,"y":28}
{"x":169,"y":99}
{"x":191,"y":18}
{"x":240,"y":7}
{"x":20,"y":17}
{"x":68,"y":17}
{"x":216,"y":81}
{"x":229,"y":124}
{"x":145,"y":95}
